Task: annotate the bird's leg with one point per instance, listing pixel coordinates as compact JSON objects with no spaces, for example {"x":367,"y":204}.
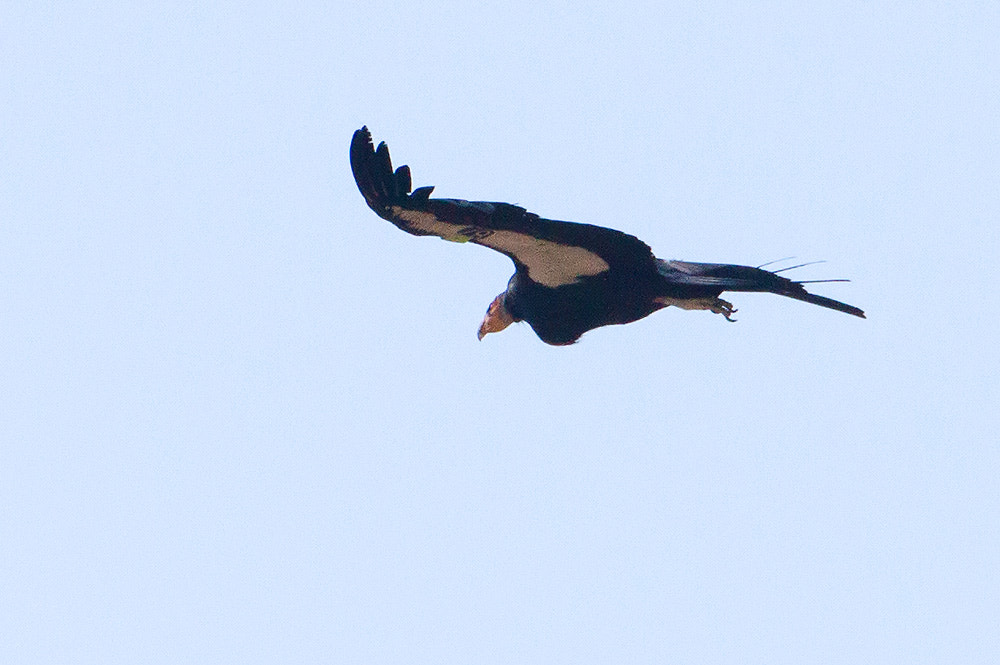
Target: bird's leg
{"x":715,"y":305}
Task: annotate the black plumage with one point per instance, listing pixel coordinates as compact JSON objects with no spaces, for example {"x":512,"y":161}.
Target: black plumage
{"x":569,"y":278}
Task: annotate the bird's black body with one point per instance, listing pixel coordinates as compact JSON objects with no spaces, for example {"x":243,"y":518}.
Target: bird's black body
{"x":560,"y":315}
{"x":569,"y":278}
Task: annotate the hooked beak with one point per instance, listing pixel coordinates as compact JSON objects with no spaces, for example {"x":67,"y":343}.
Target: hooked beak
{"x":497,"y":318}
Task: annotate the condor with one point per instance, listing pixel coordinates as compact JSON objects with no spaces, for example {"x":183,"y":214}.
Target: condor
{"x":568,"y":278}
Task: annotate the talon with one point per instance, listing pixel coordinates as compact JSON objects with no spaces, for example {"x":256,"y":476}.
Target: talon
{"x":725,"y":308}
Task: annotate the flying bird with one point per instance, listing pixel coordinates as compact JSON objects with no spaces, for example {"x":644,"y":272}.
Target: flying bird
{"x":568,"y":277}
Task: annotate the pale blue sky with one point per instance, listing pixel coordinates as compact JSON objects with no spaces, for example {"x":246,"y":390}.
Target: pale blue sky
{"x":246,"y":421}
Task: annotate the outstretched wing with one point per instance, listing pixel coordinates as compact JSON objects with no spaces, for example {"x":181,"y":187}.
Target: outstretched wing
{"x":550,"y":252}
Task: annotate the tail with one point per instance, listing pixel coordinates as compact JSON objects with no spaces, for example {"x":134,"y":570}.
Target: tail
{"x":722,"y":277}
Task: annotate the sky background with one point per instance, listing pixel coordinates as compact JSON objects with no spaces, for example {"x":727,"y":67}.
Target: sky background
{"x":244,"y":420}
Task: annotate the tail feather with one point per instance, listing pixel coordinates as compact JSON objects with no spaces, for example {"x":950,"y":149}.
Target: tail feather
{"x":822,"y":301}
{"x":724,"y":277}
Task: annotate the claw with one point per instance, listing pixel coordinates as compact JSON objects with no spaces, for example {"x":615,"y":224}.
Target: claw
{"x":724,"y":308}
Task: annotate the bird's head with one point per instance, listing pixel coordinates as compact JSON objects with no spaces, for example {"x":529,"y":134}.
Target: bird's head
{"x":497,"y":317}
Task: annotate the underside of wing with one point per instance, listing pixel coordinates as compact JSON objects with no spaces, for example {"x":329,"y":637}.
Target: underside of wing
{"x":552,"y":253}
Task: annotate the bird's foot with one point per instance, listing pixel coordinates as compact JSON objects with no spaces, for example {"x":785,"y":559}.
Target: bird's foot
{"x":715,"y":305}
{"x":725,"y":308}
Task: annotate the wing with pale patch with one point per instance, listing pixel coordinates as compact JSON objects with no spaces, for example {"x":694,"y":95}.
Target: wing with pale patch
{"x":507,"y":229}
{"x":552,"y":253}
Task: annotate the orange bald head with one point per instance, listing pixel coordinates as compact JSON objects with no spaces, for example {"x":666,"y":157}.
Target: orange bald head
{"x":497,"y":317}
